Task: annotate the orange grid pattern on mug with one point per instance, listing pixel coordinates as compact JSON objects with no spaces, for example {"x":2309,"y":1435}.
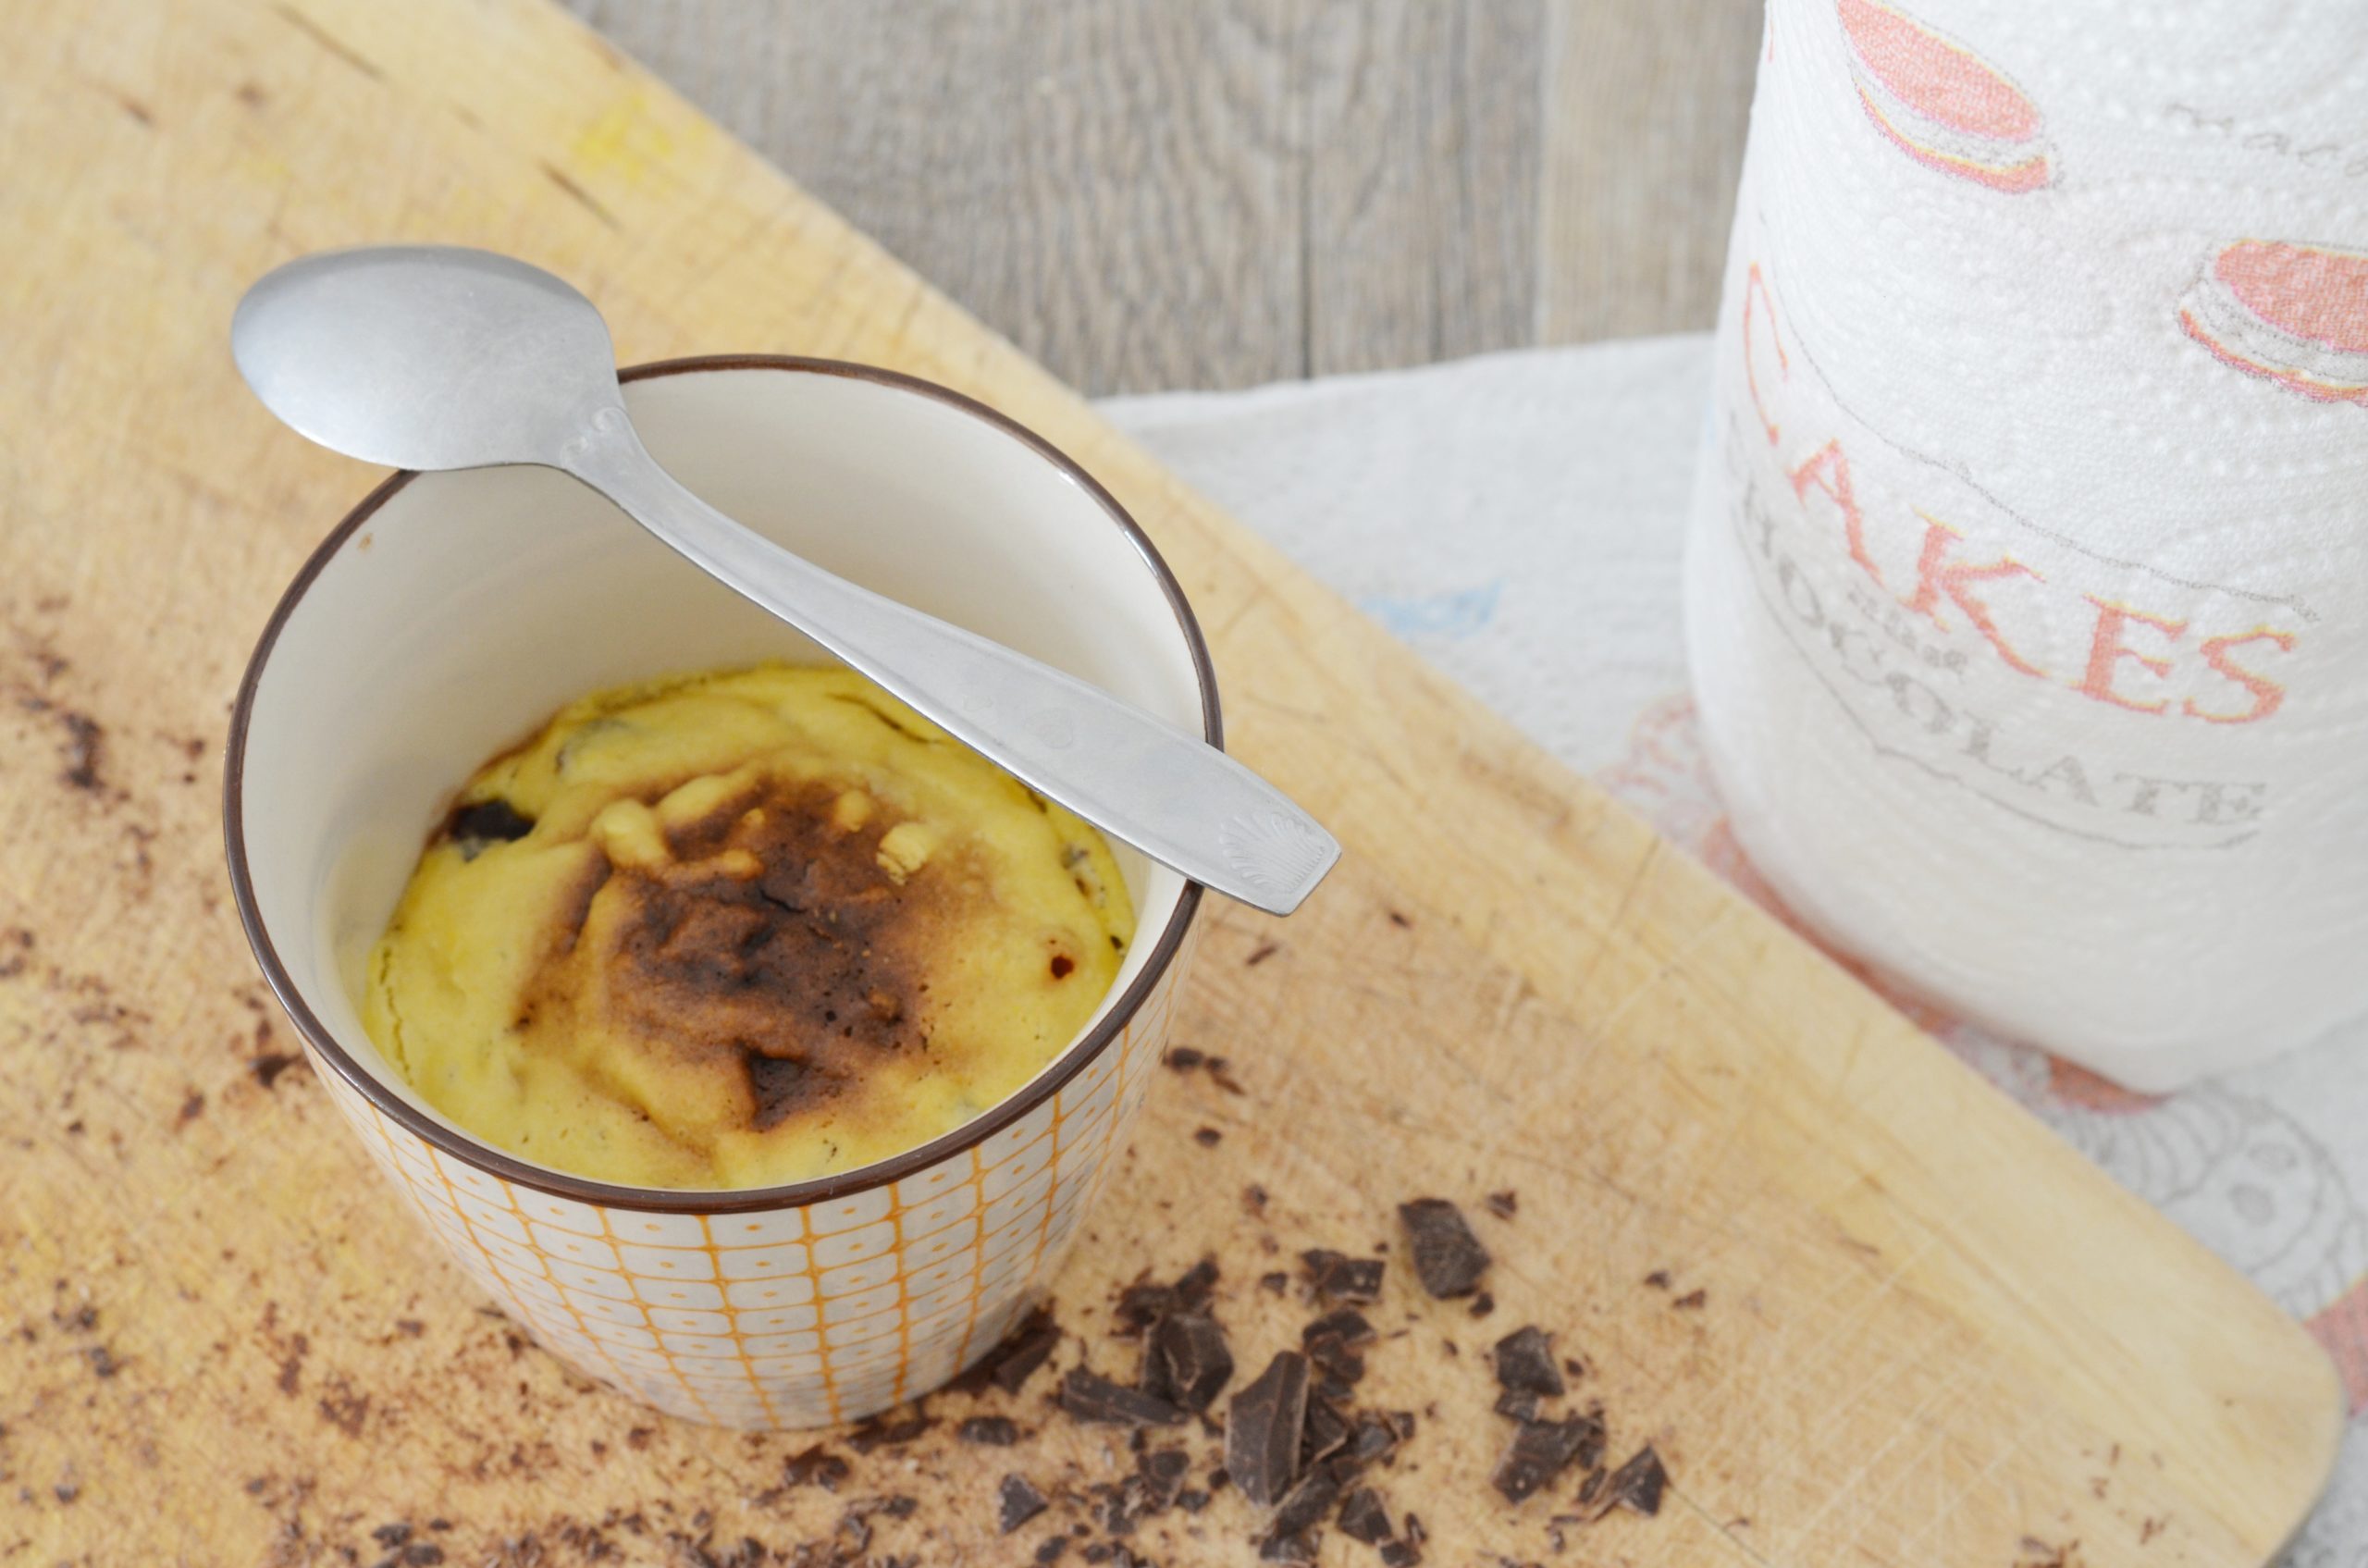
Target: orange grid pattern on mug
{"x":797,"y":1315}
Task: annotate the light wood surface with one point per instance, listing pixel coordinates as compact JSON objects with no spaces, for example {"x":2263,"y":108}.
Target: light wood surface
{"x":1150,"y":194}
{"x":1930,"y":1333}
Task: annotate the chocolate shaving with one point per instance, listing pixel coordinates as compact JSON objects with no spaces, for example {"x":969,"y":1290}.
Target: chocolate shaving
{"x":1192,"y":1363}
{"x":1346,"y":1324}
{"x":1338,"y":1277}
{"x":1362,"y":1517}
{"x":815,"y":1466}
{"x":1591,"y":1488}
{"x":1089,"y":1396}
{"x":1639,"y":1484}
{"x":1692,"y":1298}
{"x":1277,"y":1282}
{"x":993,"y":1431}
{"x":875,"y":1433}
{"x":1018,"y":1503}
{"x":1162,"y":1472}
{"x":1324,"y":1434}
{"x":1540,"y":1451}
{"x":1141,"y":1304}
{"x":1014,"y":1360}
{"x":1263,"y":1427}
{"x":1526,"y":1363}
{"x":1483,"y":1304}
{"x":1657,"y":1279}
{"x":1449,"y":1259}
{"x":1307,"y":1504}
{"x":1520,"y":1404}
{"x":1377,"y":1437}
{"x":1196,"y":1284}
{"x":1504,"y":1204}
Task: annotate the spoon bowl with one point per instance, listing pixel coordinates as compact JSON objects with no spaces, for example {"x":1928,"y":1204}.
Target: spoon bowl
{"x":426,"y":357}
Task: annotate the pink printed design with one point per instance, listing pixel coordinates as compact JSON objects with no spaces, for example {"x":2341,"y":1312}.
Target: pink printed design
{"x":1941,"y":104}
{"x":2342,"y":1330}
{"x":2295,"y":314}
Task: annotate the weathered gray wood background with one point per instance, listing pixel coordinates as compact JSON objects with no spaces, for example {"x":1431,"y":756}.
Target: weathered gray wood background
{"x":1148,"y":194}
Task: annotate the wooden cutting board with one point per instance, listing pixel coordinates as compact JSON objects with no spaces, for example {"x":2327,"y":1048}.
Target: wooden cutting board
{"x":1926,"y":1333}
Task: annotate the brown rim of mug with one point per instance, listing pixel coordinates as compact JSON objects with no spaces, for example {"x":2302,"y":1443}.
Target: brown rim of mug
{"x":719,"y":1199}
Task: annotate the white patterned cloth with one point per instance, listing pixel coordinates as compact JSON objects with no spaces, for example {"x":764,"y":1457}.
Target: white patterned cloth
{"x":1519,"y":519}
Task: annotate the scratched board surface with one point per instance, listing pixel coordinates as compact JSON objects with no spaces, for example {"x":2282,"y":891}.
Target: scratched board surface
{"x":1862,"y":1308}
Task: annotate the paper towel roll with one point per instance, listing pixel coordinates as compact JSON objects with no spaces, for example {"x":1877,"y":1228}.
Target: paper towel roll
{"x":2027,"y":584}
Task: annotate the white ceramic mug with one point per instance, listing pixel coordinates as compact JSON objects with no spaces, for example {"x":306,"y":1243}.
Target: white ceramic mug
{"x":450,"y":613}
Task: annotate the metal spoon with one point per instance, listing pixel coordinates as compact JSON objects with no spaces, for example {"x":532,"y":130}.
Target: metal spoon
{"x":434,"y":357}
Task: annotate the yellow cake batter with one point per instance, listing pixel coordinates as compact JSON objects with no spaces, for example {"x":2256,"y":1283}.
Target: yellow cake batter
{"x":740,"y":929}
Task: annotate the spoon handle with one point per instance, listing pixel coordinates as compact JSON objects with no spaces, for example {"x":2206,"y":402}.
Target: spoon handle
{"x":1179,"y":800}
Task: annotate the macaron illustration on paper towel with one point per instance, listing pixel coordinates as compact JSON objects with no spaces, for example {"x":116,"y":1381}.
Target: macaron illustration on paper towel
{"x":2295,"y":314}
{"x":1941,"y":104}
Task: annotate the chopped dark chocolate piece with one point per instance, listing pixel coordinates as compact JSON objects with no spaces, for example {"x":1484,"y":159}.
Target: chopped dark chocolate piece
{"x":1184,"y":1058}
{"x":1099,"y":1551}
{"x":1191,"y":1500}
{"x":1483,"y":1304}
{"x":1014,"y":1360}
{"x":1308,"y":1503}
{"x":1332,"y":1355}
{"x":1690,"y":1300}
{"x":1657,"y":1279}
{"x":1591,"y":1488}
{"x":1372,"y":1438}
{"x":1449,"y":1259}
{"x":1338,"y":1277}
{"x":1540,"y":1451}
{"x":1019,"y":1502}
{"x":1194,"y":1366}
{"x":1325,"y":1433}
{"x":1504,"y":1204}
{"x":1163,"y":1471}
{"x":1262,"y":1428}
{"x":1277,"y":1282}
{"x":1520,"y":1405}
{"x":1362,"y":1517}
{"x":994,"y":1431}
{"x":1049,"y":1550}
{"x":1525,"y":1361}
{"x":1332,"y":1389}
{"x":1196,"y":1284}
{"x":1345,"y":1324}
{"x":1089,"y":1396}
{"x":1573,"y":1367}
{"x":1638,"y":1483}
{"x":815,"y":1466}
{"x":1141,"y":1304}
{"x":876,"y":1433}
{"x":1207,"y":1137}
{"x":1401,"y":1554}
{"x":1280,"y":1547}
